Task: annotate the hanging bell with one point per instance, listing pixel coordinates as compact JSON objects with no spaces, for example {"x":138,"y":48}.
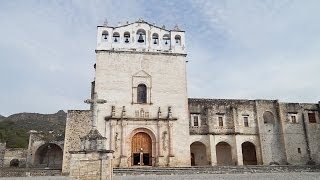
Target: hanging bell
{"x":155,"y":41}
{"x":140,"y":40}
{"x":166,"y":43}
{"x":127,"y":40}
{"x":177,"y":41}
{"x":115,"y":39}
{"x":105,"y":36}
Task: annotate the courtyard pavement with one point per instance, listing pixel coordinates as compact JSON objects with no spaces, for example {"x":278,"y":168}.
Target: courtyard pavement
{"x":258,"y":176}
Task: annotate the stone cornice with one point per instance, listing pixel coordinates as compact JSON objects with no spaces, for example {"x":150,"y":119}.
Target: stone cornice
{"x":108,"y":118}
{"x":141,"y":52}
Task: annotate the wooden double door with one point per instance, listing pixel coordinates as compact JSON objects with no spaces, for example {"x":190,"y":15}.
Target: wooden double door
{"x":141,"y":150}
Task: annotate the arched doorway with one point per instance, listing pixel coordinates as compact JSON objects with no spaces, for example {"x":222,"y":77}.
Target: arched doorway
{"x":141,"y":149}
{"x":48,"y":155}
{"x":224,"y":155}
{"x":198,"y":154}
{"x":249,"y":153}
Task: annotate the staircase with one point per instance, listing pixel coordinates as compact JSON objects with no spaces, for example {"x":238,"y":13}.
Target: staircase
{"x":212,"y":170}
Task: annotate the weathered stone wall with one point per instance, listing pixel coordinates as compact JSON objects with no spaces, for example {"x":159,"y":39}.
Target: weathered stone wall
{"x":2,"y":152}
{"x":15,"y":153}
{"x":78,"y":124}
{"x":117,"y":76}
{"x":312,"y":130}
{"x":91,"y":165}
{"x":38,"y":153}
{"x":281,"y":132}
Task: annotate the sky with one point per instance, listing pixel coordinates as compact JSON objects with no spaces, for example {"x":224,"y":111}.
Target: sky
{"x":261,"y":49}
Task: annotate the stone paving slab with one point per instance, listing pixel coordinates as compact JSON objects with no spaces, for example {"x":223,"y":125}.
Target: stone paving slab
{"x":259,"y":176}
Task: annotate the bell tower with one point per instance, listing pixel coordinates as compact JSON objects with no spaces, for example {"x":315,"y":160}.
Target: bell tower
{"x":141,"y":72}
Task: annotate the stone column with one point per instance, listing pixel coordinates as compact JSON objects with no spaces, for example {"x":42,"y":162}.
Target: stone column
{"x":213,"y":150}
{"x":159,"y":140}
{"x":239,"y":150}
{"x":123,"y":156}
{"x":112,"y":125}
{"x":171,"y":154}
{"x":123,"y":138}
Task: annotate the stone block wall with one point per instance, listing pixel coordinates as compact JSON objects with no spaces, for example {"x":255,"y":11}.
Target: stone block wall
{"x":15,"y":153}
{"x":281,"y":132}
{"x":78,"y":124}
{"x":2,"y":152}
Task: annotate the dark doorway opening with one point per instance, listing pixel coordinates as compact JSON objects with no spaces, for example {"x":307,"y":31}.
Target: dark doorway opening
{"x":136,"y":158}
{"x":146,"y":159}
{"x":249,"y":153}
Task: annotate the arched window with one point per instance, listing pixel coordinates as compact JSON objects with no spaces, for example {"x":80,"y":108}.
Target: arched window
{"x":116,"y":37}
{"x":126,"y":37}
{"x":155,"y":38}
{"x":141,"y":36}
{"x":104,"y":37}
{"x":142,"y":93}
{"x":166,"y":40}
{"x":178,"y":40}
{"x":268,"y":117}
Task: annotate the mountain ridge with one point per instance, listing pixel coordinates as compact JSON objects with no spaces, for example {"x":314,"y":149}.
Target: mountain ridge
{"x":14,"y":129}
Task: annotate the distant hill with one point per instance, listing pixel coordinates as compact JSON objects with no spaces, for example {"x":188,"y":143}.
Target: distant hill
{"x":14,"y":129}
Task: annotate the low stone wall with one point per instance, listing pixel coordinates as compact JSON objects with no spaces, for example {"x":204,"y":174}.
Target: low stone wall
{"x":23,"y":172}
{"x":19,"y":154}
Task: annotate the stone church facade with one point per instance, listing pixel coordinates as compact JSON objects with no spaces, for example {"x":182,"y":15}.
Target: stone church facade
{"x":148,"y":119}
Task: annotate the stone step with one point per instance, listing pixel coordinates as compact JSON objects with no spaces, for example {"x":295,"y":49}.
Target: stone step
{"x":213,"y":170}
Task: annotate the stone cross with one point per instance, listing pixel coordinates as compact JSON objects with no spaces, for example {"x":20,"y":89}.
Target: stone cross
{"x":94,"y":102}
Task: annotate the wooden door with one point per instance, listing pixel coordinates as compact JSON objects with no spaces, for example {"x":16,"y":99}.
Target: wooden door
{"x":141,"y":145}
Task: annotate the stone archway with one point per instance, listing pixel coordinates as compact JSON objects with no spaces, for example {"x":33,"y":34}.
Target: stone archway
{"x":141,"y":149}
{"x":249,"y":153}
{"x":224,"y":155}
{"x":48,"y":155}
{"x":198,"y":154}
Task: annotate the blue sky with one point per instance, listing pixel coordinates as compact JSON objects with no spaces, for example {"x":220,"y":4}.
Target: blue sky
{"x":262,"y":49}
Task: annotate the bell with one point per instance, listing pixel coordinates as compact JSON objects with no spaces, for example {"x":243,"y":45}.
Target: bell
{"x":166,"y":43}
{"x":127,"y":40}
{"x":155,"y":41}
{"x":177,"y":41}
{"x":115,"y":39}
{"x":105,"y":36}
{"x":140,"y":40}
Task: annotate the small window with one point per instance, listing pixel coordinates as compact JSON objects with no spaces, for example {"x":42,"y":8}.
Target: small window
{"x":126,"y":36}
{"x":312,"y":117}
{"x":195,"y":121}
{"x":245,"y":121}
{"x":142,"y":93}
{"x":220,"y":121}
{"x":105,"y":35}
{"x":116,"y":37}
{"x":268,"y":117}
{"x":155,"y":38}
{"x":293,"y":119}
{"x":178,"y":40}
{"x":299,"y":150}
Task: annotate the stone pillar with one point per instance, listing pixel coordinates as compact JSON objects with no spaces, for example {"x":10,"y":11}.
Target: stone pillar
{"x":171,"y":154}
{"x":112,"y":125}
{"x":213,"y":150}
{"x":239,"y":151}
{"x":123,"y":157}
